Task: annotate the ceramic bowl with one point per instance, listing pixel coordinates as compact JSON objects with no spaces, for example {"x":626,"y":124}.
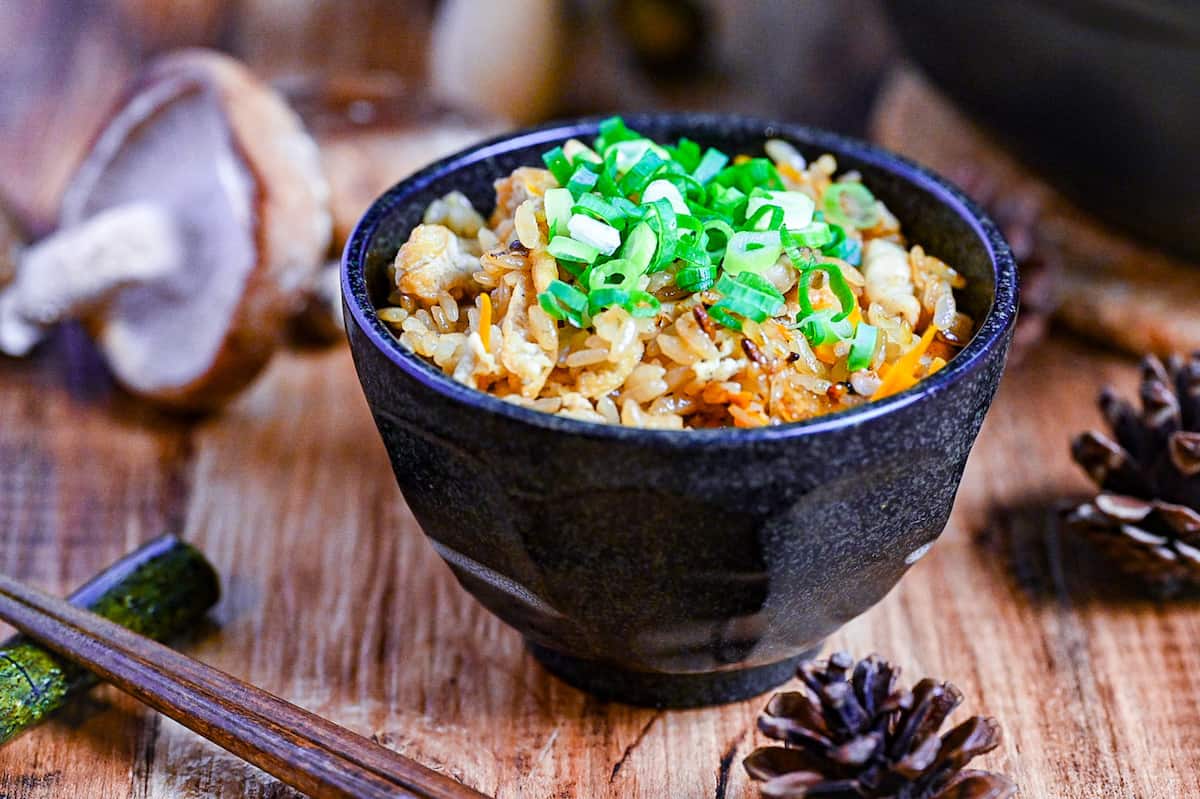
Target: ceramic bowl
{"x":1097,"y":95}
{"x":679,"y":568}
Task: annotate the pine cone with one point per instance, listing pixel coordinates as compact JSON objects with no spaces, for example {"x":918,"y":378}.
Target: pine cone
{"x":1146,"y":517}
{"x":854,"y":735}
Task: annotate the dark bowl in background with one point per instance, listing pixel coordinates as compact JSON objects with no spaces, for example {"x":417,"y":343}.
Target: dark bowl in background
{"x":679,"y":568}
{"x":1101,"y":96}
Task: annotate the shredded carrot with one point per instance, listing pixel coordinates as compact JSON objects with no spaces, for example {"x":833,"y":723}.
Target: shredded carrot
{"x":901,"y":375}
{"x":789,"y":171}
{"x":855,"y":316}
{"x":485,"y":321}
{"x":825,"y":353}
{"x":741,"y":398}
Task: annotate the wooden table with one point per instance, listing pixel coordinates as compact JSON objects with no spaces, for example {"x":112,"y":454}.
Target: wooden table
{"x":334,"y":600}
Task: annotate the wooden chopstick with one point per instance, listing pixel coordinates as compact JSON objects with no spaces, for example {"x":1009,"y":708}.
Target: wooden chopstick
{"x":312,"y":754}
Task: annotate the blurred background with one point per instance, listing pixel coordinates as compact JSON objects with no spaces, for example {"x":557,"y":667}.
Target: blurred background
{"x":1071,"y":121}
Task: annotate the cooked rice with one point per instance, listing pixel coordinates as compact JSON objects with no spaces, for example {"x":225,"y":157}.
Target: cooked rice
{"x":677,"y":369}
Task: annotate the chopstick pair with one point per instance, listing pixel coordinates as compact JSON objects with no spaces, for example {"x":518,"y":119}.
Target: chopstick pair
{"x":309,"y":753}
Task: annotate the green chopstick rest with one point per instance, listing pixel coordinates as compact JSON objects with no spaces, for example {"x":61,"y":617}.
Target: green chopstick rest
{"x":160,"y":590}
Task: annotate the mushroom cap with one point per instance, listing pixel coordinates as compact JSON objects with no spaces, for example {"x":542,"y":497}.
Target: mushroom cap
{"x":198,"y":135}
{"x":12,"y":240}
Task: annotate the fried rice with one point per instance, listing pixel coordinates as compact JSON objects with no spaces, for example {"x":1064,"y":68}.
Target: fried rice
{"x":467,"y":299}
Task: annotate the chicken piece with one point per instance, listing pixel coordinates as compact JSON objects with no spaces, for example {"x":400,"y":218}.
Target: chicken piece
{"x":523,"y":183}
{"x":619,"y":329}
{"x":431,"y":262}
{"x":889,"y":279}
{"x":520,"y":354}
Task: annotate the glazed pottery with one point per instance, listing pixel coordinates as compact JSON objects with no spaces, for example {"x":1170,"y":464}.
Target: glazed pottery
{"x":679,"y":568}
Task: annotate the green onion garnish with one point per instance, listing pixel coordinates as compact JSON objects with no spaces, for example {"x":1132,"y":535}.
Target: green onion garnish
{"x":797,"y":207}
{"x":565,"y":248}
{"x":642,"y":304}
{"x":712,"y":163}
{"x":582,"y":180}
{"x":752,"y":252}
{"x":601,"y":235}
{"x":601,"y":298}
{"x":660,"y":216}
{"x":640,"y":245}
{"x":842,"y":246}
{"x":696,"y":278}
{"x":821,"y":328}
{"x":837,"y":283}
{"x":686,"y":154}
{"x":558,"y":204}
{"x":613,"y":130}
{"x":617,"y":273}
{"x":558,"y":165}
{"x":662,"y":189}
{"x":850,"y":205}
{"x":632,"y":208}
{"x":749,"y":295}
{"x":596,"y":206}
{"x":641,"y":173}
{"x":814,"y":235}
{"x":564,"y":302}
{"x":719,"y":233}
{"x":862,"y":349}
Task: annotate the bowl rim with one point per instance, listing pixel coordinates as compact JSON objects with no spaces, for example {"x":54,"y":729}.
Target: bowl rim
{"x":991,"y":334}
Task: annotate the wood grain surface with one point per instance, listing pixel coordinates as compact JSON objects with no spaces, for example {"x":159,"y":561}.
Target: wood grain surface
{"x":334,"y":600}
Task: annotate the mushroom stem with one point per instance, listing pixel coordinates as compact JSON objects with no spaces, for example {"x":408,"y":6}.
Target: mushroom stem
{"x":75,"y":270}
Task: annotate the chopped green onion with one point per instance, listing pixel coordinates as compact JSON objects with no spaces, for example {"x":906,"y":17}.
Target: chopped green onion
{"x":814,"y":235}
{"x":557,"y":203}
{"x":724,"y":318}
{"x":565,"y":248}
{"x":851,"y":205}
{"x":862,"y":350}
{"x":627,"y":153}
{"x":749,"y":295}
{"x":582,"y":180}
{"x":712,"y":163}
{"x":797,"y":206}
{"x":626,"y":206}
{"x":662,"y":220}
{"x":640,"y":245}
{"x":724,"y":232}
{"x":753,"y":252}
{"x":727,"y":201}
{"x":581,"y":152}
{"x":633,"y":207}
{"x":564,"y":302}
{"x":605,"y":297}
{"x":642,"y":304}
{"x":841,"y":246}
{"x":686,"y":153}
{"x":696,"y":278}
{"x":601,"y":235}
{"x":821,"y":328}
{"x":596,"y":206}
{"x":749,"y":175}
{"x":837,"y":283}
{"x":765,"y":217}
{"x":558,"y":165}
{"x":691,"y":249}
{"x":665,"y":190}
{"x":613,"y":130}
{"x":641,"y":173}
{"x":801,"y":260}
{"x":617,"y":273}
